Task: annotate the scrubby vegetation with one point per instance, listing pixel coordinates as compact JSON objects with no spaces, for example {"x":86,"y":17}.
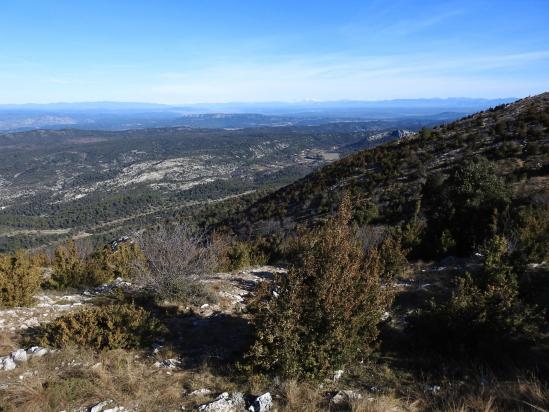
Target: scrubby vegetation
{"x":241,"y":254}
{"x":324,"y":313}
{"x":531,"y":235}
{"x":465,"y":209}
{"x":105,"y":327}
{"x":485,"y":318}
{"x":418,"y":268}
{"x":74,"y":266}
{"x":389,"y":181}
{"x":19,"y":279}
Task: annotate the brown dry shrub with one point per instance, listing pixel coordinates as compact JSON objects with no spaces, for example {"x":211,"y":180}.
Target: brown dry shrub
{"x":304,"y":397}
{"x":521,"y":394}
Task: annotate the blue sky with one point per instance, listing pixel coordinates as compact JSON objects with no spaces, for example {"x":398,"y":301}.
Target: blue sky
{"x":241,"y":50}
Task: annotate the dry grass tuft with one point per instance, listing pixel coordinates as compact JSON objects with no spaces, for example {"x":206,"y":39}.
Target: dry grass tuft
{"x":301,"y":397}
{"x":520,"y":395}
{"x":75,"y":378}
{"x":7,"y":342}
{"x":380,"y":404}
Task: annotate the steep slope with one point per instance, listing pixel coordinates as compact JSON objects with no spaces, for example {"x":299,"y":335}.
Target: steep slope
{"x":387,"y":181}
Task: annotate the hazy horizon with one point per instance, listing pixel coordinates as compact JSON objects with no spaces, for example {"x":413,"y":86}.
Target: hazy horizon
{"x":260,"y":102}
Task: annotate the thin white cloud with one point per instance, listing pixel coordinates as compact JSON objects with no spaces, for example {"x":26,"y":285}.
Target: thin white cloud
{"x":338,"y":76}
{"x":326,"y":77}
{"x":377,"y":28}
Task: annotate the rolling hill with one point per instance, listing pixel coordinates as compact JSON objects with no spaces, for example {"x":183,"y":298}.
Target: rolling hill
{"x":59,"y":183}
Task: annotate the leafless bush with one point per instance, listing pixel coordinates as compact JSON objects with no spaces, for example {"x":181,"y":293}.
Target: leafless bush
{"x":371,"y":236}
{"x":176,"y":257}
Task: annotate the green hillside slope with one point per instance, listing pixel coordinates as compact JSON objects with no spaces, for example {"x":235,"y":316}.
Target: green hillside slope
{"x":389,"y":183}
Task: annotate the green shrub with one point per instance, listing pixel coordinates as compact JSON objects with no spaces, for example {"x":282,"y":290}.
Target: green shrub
{"x":239,"y":255}
{"x":19,"y":280}
{"x":532,"y":234}
{"x":105,"y":327}
{"x":325,"y":312}
{"x":69,"y":268}
{"x":72,"y":268}
{"x":412,"y":231}
{"x":366,"y":213}
{"x":243,"y":254}
{"x":464,"y":210}
{"x":485,"y":318}
{"x":107,"y":264}
{"x":392,"y":257}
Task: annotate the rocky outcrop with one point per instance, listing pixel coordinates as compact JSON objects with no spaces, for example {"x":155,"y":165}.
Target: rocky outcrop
{"x":7,"y":363}
{"x":20,"y":356}
{"x":225,"y":402}
{"x":47,"y":308}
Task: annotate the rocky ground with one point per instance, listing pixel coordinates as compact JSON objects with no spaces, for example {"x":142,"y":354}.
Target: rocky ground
{"x":216,"y":330}
{"x":20,"y":365}
{"x":192,"y":371}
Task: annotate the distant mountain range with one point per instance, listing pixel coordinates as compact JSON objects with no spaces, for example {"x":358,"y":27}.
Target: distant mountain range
{"x":263,"y":107}
{"x":135,"y":115}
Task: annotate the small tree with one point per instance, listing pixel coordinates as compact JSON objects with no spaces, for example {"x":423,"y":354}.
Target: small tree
{"x":325,"y":312}
{"x":464,"y":210}
{"x":69,"y":267}
{"x":532,"y":234}
{"x":175,"y":258}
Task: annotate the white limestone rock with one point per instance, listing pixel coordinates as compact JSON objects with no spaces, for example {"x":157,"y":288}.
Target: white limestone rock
{"x":36,"y":351}
{"x":201,"y":392}
{"x":225,"y":402}
{"x":337,"y":375}
{"x":19,"y":356}
{"x":262,"y":403}
{"x":7,"y":363}
{"x":100,"y":407}
{"x":167,"y":363}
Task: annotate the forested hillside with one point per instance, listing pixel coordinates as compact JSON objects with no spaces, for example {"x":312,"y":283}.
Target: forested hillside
{"x":60,"y":183}
{"x":396,"y":183}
